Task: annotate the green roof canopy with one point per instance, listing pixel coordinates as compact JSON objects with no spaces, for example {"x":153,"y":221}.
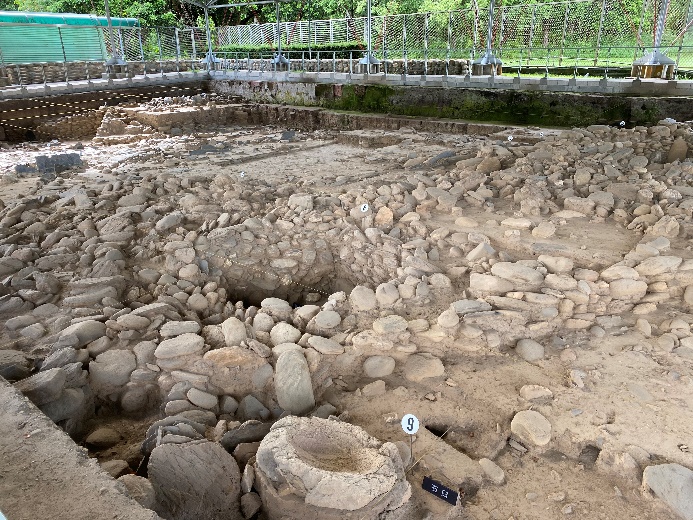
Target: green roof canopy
{"x":64,"y":19}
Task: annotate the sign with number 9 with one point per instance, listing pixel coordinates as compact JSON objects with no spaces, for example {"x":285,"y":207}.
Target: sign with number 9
{"x":410,"y":424}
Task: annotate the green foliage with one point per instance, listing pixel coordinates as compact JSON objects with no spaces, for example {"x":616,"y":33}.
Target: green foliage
{"x":341,"y":50}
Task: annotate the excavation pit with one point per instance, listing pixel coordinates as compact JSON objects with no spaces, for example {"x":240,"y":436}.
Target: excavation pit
{"x":217,"y":269}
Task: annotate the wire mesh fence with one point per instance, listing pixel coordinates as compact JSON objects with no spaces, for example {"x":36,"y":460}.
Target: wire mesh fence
{"x":597,"y":25}
{"x":570,"y":34}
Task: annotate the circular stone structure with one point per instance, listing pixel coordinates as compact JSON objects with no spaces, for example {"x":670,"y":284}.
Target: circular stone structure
{"x":324,"y":469}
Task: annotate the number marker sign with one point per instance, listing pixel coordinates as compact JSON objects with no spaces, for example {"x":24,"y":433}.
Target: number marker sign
{"x":364,"y":207}
{"x":410,"y":424}
{"x":242,"y":174}
{"x":439,"y":490}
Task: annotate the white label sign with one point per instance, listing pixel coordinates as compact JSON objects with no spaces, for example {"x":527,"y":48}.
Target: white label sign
{"x":364,"y":207}
{"x":410,"y":424}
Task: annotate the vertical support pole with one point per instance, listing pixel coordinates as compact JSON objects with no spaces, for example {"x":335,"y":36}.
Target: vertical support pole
{"x":565,"y":27}
{"x":144,"y":62}
{"x":447,"y":57}
{"x":177,"y":49}
{"x":599,"y":33}
{"x":120,"y":40}
{"x":310,"y":40}
{"x":115,"y":59}
{"x":384,"y":42}
{"x":62,"y":46}
{"x":501,"y":32}
{"x":426,"y":44}
{"x":279,"y":32}
{"x":661,"y":19}
{"x":194,"y":50}
{"x":161,"y":56}
{"x":476,"y":26}
{"x":645,"y":6}
{"x":404,"y":35}
{"x":683,"y":37}
{"x":531,"y":32}
{"x":331,"y":30}
{"x":370,"y":47}
{"x":210,"y":56}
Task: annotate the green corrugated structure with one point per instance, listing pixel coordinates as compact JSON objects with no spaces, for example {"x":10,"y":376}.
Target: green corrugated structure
{"x":50,"y":37}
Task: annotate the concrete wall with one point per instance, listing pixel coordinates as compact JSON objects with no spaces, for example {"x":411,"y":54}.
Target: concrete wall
{"x":47,"y":475}
{"x":543,"y":108}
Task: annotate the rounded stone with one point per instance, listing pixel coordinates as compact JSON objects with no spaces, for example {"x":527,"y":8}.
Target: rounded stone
{"x":202,"y":399}
{"x":103,"y":438}
{"x":327,"y":319}
{"x":362,"y":299}
{"x":626,"y":289}
{"x":234,"y":331}
{"x":529,"y":350}
{"x":190,"y":272}
{"x":422,"y":366}
{"x":132,"y":322}
{"x":280,"y":309}
{"x":198,"y":302}
{"x":378,"y":366}
{"x":531,"y":428}
{"x":448,"y":319}
{"x":390,"y":325}
{"x":263,"y":322}
{"x":182,"y":345}
{"x":325,"y":346}
{"x":293,"y":384}
{"x":284,"y":333}
{"x":386,"y":294}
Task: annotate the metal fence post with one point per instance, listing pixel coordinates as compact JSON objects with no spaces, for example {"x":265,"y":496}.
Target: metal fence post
{"x":531,"y":33}
{"x":426,"y":44}
{"x":565,"y":27}
{"x":599,"y":33}
{"x":62,"y":46}
{"x":177,"y":50}
{"x":144,"y":61}
{"x":502,"y":30}
{"x":120,"y":40}
{"x":161,"y":56}
{"x":476,"y":27}
{"x":645,"y":6}
{"x":404,"y":46}
{"x":194,"y":50}
{"x":404,"y":36}
{"x":447,"y":55}
{"x":385,"y":42}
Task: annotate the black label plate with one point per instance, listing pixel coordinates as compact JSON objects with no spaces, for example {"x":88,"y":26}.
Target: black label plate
{"x":439,"y":490}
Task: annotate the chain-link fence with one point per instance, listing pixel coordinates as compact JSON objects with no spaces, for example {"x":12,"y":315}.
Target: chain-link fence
{"x":572,"y":35}
{"x":595,"y":28}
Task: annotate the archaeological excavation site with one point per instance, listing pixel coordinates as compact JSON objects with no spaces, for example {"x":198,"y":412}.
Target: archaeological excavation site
{"x":221,"y":307}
